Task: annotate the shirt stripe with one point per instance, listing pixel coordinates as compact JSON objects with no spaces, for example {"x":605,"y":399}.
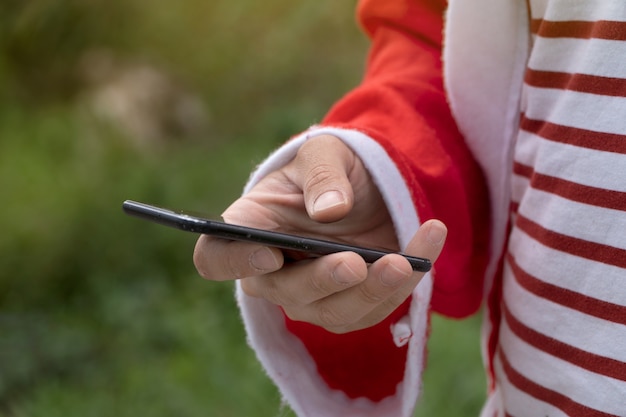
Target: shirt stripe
{"x":600,"y":29}
{"x":570,"y":55}
{"x":594,"y":196}
{"x":601,"y":338}
{"x":573,"y":10}
{"x":598,"y":308}
{"x":596,"y":252}
{"x":566,"y":404}
{"x":591,"y":84}
{"x":519,"y":403}
{"x":597,"y":113}
{"x":560,"y":269}
{"x":594,"y":168}
{"x":593,"y":390}
{"x":589,"y":361}
{"x":584,"y":138}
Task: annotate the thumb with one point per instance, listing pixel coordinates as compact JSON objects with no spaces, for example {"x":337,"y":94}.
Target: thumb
{"x":322,"y":166}
{"x":429,"y":240}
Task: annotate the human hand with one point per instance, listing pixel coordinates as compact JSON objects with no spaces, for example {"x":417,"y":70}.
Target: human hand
{"x":326,"y":192}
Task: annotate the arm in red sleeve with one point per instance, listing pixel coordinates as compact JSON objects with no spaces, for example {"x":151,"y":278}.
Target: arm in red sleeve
{"x":401,"y":104}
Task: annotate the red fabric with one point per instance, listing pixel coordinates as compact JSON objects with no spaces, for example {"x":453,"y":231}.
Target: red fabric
{"x":345,"y":361}
{"x":401,"y":103}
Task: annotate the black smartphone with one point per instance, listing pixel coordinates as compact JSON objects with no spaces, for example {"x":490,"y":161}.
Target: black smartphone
{"x":195,"y":224}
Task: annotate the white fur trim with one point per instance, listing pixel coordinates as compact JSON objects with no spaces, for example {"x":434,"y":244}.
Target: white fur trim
{"x":484,"y":62}
{"x":493,"y":407}
{"x":485,"y":57}
{"x":402,"y":331}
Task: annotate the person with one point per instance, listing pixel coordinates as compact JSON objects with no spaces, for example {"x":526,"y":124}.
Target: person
{"x":489,"y":136}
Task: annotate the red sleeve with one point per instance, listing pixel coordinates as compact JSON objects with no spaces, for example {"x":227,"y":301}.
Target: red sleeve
{"x":401,"y":103}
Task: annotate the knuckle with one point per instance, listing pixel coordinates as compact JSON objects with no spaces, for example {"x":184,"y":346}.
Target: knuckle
{"x":233,"y":267}
{"x":393,"y":302}
{"x":319,"y":175}
{"x":270,"y":291}
{"x":318,"y":286}
{"x":280,"y":297}
{"x":367,"y":295}
{"x":330,"y":319}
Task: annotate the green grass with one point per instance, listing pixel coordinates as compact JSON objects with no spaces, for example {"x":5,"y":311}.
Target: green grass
{"x":101,"y":314}
{"x":454,"y":382}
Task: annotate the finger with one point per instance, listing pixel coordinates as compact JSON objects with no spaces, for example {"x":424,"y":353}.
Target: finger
{"x":321,"y":170}
{"x":220,"y":259}
{"x":304,"y":282}
{"x":345,"y":311}
{"x":390,"y":281}
{"x":427,"y":242}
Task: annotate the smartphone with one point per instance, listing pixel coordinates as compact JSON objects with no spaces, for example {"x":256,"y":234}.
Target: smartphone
{"x":318,"y":247}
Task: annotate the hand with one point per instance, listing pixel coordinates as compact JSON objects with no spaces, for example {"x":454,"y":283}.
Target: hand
{"x":326,"y":192}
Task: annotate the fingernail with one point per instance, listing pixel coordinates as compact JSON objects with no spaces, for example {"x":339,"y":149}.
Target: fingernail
{"x":343,"y":274}
{"x":436,"y":234}
{"x":328,"y":200}
{"x":392,"y":275}
{"x":264,"y":260}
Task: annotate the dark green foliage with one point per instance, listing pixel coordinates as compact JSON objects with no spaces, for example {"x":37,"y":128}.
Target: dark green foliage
{"x":41,"y":42}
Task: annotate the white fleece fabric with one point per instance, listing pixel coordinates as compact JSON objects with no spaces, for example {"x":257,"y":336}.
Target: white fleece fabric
{"x":485,"y":102}
{"x":485,"y":53}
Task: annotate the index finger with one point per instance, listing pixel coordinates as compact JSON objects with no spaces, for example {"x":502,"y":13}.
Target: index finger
{"x":220,"y":260}
{"x":303,"y":282}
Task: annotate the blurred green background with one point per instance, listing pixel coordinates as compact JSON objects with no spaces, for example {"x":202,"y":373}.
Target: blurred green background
{"x":172,"y":103}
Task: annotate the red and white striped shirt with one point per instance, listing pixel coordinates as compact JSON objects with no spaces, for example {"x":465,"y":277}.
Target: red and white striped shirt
{"x":562,"y":336}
